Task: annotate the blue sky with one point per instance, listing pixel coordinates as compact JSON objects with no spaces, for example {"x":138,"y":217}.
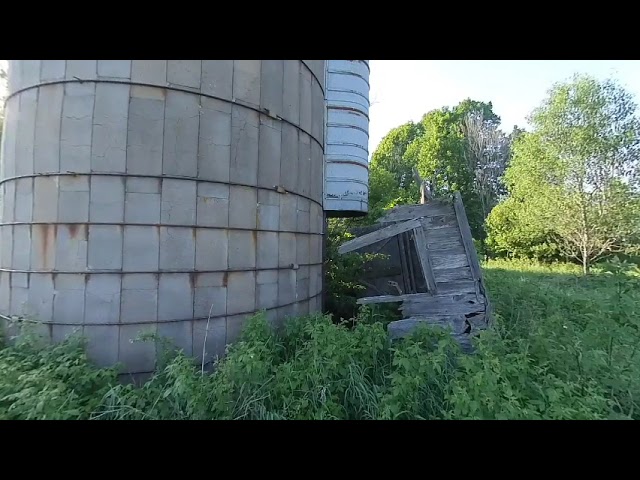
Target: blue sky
{"x":403,"y":90}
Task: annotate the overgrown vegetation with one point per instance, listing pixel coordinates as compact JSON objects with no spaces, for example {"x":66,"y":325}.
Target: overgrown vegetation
{"x":573,"y":181}
{"x":565,"y":347}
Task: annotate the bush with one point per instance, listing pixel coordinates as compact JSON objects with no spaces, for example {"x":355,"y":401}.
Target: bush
{"x":343,"y":272}
{"x":563,"y":347}
{"x":49,"y":382}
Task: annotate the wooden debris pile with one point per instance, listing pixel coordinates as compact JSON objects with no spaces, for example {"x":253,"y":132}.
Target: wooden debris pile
{"x":432,"y":268}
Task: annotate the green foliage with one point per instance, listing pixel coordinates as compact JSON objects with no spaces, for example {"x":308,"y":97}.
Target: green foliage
{"x":484,"y":109}
{"x":514,"y":231}
{"x":343,"y":271}
{"x":575,"y":340}
{"x":564,"y":347}
{"x":521,"y":225}
{"x":390,"y":154}
{"x":573,"y":180}
{"x":39,"y":382}
{"x":438,"y":147}
{"x":385,"y":193}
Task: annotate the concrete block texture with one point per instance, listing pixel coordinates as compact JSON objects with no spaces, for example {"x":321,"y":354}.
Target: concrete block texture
{"x":150,"y":200}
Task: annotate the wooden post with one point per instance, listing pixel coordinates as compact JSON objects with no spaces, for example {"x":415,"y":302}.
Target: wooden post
{"x":422,"y":185}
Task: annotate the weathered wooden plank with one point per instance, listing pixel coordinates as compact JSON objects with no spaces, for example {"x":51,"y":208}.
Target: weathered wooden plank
{"x":390,"y":298}
{"x":478,"y":322}
{"x":378,"y":236}
{"x":467,"y":239}
{"x":398,"y":330}
{"x":411,"y":309}
{"x":489,"y":307}
{"x":414,"y":270}
{"x":445,"y":299}
{"x":425,"y":261}
{"x":446,"y":248}
{"x":406,"y":274}
{"x":453,"y":274}
{"x":450,"y":234}
{"x":406,"y":326}
{"x":455,"y":287}
{"x":436,"y":245}
{"x":406,"y":212}
{"x":463,"y":304}
{"x":439,"y":221}
{"x":457,"y":323}
{"x":440,"y":261}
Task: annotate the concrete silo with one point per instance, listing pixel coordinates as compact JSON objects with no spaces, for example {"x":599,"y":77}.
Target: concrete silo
{"x":150,"y":195}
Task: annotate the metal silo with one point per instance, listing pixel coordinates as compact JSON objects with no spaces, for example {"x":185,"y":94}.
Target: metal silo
{"x":161,"y":196}
{"x":346,"y":191}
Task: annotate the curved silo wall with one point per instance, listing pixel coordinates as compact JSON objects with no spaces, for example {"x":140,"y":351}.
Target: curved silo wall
{"x":161,"y":196}
{"x":346,"y":191}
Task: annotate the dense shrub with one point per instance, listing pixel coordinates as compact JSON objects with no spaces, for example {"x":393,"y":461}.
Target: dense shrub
{"x":564,"y":347}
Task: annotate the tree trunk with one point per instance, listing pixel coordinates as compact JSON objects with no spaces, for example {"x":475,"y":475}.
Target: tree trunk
{"x":585,"y":264}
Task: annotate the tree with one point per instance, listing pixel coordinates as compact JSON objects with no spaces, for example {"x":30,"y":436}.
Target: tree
{"x":390,"y":154}
{"x":441,"y":155}
{"x":386,"y":193}
{"x":483,"y":109}
{"x":576,"y":174}
{"x":438,"y":148}
{"x":487,"y":154}
{"x":521,"y":224}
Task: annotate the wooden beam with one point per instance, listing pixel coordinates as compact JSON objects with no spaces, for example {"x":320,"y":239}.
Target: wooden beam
{"x":378,"y":236}
{"x":409,"y":259}
{"x":463,"y":304}
{"x":406,"y":278}
{"x":467,"y":239}
{"x":456,"y":287}
{"x":425,"y":261}
{"x":390,"y":298}
{"x":406,"y":326}
{"x":406,"y":212}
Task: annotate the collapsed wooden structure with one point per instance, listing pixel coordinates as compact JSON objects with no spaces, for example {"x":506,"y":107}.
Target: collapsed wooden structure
{"x":431,"y":267}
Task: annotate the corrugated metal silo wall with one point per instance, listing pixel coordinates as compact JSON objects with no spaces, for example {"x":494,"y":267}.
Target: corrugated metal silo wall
{"x":346,"y":191}
{"x":142,"y":196}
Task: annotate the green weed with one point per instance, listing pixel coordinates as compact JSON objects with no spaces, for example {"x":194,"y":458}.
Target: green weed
{"x":564,"y":346}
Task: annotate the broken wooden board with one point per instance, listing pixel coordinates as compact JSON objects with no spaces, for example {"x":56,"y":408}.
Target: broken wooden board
{"x":408,"y":212}
{"x":404,"y":327}
{"x":459,"y":304}
{"x":388,"y":298}
{"x":378,"y":236}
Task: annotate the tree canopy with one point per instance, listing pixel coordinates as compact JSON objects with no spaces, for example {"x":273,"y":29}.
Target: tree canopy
{"x":456,"y":148}
{"x":573,"y":180}
{"x":569,"y":187}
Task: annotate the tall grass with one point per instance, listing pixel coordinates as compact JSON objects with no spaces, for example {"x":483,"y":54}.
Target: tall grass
{"x":564,"y":347}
